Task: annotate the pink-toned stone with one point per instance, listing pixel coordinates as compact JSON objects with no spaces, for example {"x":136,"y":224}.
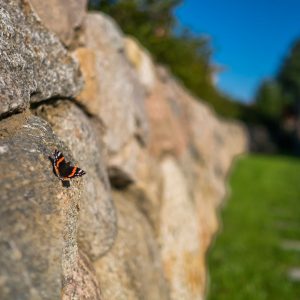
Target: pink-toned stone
{"x":179,"y":235}
{"x":167,"y":134}
{"x":132,"y":270}
{"x":84,"y":284}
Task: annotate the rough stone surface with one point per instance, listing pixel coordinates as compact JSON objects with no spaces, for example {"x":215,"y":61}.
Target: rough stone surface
{"x":124,"y":166}
{"x":168,"y":134}
{"x":33,"y":64}
{"x":84,"y":284}
{"x":179,"y":235}
{"x":142,"y":62}
{"x":110,"y":37}
{"x":97,"y":219}
{"x":146,"y":191}
{"x":61,"y":17}
{"x":155,"y":158}
{"x":120,"y":105}
{"x":38,"y":215}
{"x":132,"y":270}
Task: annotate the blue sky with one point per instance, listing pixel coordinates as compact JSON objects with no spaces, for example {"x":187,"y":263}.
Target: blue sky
{"x":249,"y":37}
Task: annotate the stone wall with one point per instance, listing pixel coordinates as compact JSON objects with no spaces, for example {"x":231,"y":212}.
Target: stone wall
{"x":138,"y":224}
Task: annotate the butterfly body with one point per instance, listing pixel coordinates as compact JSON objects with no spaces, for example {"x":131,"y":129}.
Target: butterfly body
{"x":63,"y":169}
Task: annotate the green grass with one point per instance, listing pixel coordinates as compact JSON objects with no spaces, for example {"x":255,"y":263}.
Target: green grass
{"x":246,"y":261}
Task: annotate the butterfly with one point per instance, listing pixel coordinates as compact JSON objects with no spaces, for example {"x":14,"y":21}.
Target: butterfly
{"x":63,"y":169}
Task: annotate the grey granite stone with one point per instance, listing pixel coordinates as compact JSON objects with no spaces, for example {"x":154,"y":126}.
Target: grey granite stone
{"x":38,"y":216}
{"x":34,"y":65}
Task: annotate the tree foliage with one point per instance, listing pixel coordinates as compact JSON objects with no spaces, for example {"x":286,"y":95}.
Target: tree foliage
{"x":278,"y":100}
{"x":282,"y":93}
{"x":269,"y":99}
{"x":188,"y":56}
{"x":289,"y":76}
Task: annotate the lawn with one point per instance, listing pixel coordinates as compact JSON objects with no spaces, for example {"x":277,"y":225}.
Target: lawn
{"x":259,"y":241}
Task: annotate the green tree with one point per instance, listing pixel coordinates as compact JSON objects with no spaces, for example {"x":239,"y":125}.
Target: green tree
{"x":278,"y":100}
{"x":276,"y":95}
{"x":140,"y":17}
{"x":289,"y":76}
{"x":270,"y":100}
{"x":188,"y":56}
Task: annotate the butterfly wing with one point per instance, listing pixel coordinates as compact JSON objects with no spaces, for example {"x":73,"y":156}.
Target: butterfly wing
{"x":59,"y":162}
{"x":76,"y":172}
{"x":63,"y":169}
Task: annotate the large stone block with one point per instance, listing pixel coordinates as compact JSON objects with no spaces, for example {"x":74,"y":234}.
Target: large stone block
{"x":34,"y":64}
{"x":38,"y":216}
{"x":132,"y":270}
{"x":168,"y":118}
{"x":61,"y":17}
{"x":112,"y":93}
{"x":102,"y":32}
{"x":142,"y":62}
{"x":97,"y":218}
{"x":179,"y":235}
